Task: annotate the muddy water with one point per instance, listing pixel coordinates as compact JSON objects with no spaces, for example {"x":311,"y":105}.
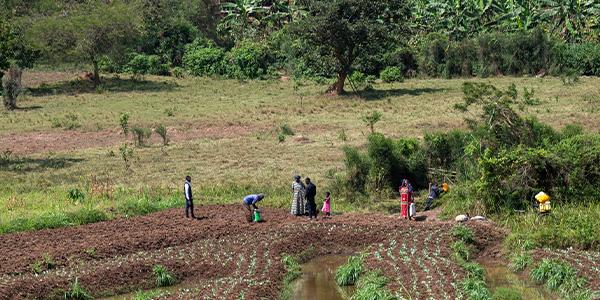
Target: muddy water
{"x":318,"y":280}
{"x":499,"y":276}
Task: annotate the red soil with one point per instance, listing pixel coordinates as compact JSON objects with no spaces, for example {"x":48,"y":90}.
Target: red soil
{"x":222,"y":256}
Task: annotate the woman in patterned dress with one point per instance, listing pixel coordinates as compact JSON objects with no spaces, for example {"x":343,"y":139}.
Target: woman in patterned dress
{"x":297,"y":197}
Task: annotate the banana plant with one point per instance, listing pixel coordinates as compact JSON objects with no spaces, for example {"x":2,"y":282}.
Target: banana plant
{"x":572,"y":19}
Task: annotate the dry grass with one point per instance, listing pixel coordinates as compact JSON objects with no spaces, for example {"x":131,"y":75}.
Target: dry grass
{"x":246,"y":160}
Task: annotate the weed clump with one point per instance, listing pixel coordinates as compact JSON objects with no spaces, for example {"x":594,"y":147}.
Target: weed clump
{"x":142,"y":135}
{"x":163,"y":277}
{"x":77,"y":292}
{"x":372,"y":286}
{"x":520,"y":261}
{"x":349,"y":273}
{"x":463,"y":233}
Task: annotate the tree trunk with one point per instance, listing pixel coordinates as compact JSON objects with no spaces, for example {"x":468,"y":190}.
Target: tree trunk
{"x":11,"y":83}
{"x":96,"y":73}
{"x":338,"y":87}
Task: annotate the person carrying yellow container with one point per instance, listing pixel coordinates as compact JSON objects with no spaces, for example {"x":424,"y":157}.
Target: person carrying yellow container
{"x":543,"y":202}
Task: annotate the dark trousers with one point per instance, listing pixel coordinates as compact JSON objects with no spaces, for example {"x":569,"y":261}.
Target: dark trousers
{"x":189,"y":207}
{"x":428,"y":204}
{"x":312,"y":207}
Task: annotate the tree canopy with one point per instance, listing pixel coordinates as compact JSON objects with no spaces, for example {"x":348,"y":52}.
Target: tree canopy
{"x":348,"y":29}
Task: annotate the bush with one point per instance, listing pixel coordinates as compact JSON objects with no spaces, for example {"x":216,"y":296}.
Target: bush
{"x":163,"y":277}
{"x":248,"y":61}
{"x":585,"y":58}
{"x":142,"y":135}
{"x":142,"y":64}
{"x":204,"y":61}
{"x":161,"y":130}
{"x":463,"y":233}
{"x":349,"y":273}
{"x":361,"y":81}
{"x":391,"y":74}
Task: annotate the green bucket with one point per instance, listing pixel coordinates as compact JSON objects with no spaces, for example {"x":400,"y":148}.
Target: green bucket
{"x":257,"y":217}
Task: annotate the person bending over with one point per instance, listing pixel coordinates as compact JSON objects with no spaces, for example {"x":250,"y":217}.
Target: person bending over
{"x":250,"y":203}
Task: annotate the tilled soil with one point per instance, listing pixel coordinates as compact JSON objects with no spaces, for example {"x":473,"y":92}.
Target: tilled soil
{"x":223,"y":256}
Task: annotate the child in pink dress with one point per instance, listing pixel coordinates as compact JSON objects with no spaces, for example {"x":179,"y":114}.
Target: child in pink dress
{"x":327,"y":206}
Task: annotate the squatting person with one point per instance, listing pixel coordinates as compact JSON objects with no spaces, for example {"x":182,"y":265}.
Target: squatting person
{"x":250,"y":203}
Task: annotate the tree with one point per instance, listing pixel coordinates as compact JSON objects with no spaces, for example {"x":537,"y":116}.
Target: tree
{"x":88,"y":32}
{"x":14,"y":51}
{"x":348,"y":29}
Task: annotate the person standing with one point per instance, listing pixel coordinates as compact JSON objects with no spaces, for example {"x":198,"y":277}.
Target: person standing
{"x":189,"y":200}
{"x":311,"y":193}
{"x":327,"y":205}
{"x":297,"y":197}
{"x":250,"y":203}
{"x":405,"y":199}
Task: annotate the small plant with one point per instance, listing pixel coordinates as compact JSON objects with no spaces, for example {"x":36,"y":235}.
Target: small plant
{"x":36,"y":267}
{"x":71,"y":122}
{"x":520,"y":262}
{"x":474,"y":270}
{"x":126,"y":154}
{"x":76,"y":195}
{"x":463,"y":233}
{"x":163,"y":277}
{"x":286,"y":130}
{"x":49,"y":263}
{"x":161,"y":130}
{"x":349,"y":273}
{"x":124,"y":122}
{"x":142,"y":135}
{"x":342,"y":135}
{"x":462,"y":251}
{"x":56,"y":123}
{"x":170,"y":112}
{"x":281,"y":137}
{"x":77,"y":292}
{"x":91,"y":252}
{"x":371,"y":119}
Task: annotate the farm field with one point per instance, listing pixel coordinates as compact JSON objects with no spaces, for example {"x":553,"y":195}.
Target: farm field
{"x":223,"y":257}
{"x":222,"y":132}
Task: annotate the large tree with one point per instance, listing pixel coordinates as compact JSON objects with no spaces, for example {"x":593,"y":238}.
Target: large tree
{"x":344,"y":30}
{"x":88,"y":32}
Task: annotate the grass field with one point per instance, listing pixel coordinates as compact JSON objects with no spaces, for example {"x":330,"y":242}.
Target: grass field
{"x":224,"y":134}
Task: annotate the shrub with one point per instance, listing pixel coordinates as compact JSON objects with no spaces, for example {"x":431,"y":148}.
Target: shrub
{"x":463,"y":233}
{"x":360,"y":81}
{"x":248,"y":61}
{"x":475,"y":289}
{"x":77,"y":292}
{"x":126,"y":155}
{"x":142,"y":135}
{"x":371,"y":119}
{"x":349,"y":273}
{"x":392,"y":74}
{"x":585,"y":58}
{"x":204,"y":61}
{"x":11,"y":87}
{"x":142,"y":64}
{"x":178,"y":72}
{"x":124,"y":122}
{"x":163,"y":277}
{"x":161,"y":130}
{"x":462,"y":251}
{"x":75,"y":195}
{"x":286,"y":130}
{"x":520,"y":261}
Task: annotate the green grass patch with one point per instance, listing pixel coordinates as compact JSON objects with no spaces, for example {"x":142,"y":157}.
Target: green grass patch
{"x":293,"y":272}
{"x":520,"y":261}
{"x":77,"y":292}
{"x":475,"y":289}
{"x":503,"y":293}
{"x":348,"y":274}
{"x":372,"y":286}
{"x":463,"y":233}
{"x":163,"y":277}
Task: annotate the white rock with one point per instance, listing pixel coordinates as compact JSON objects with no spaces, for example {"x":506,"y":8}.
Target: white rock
{"x":461,"y":218}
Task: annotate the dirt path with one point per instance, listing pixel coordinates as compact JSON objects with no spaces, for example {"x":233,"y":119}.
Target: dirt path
{"x":57,"y":141}
{"x":222,"y":255}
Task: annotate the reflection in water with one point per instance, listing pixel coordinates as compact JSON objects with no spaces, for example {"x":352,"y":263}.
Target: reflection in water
{"x":318,"y":280}
{"x":499,"y":276}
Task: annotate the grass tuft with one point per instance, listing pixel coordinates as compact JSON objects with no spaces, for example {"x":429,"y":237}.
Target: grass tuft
{"x":348,"y":274}
{"x":163,"y":277}
{"x":77,"y":292}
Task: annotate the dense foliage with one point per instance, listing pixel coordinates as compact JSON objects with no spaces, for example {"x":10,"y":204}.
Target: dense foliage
{"x":249,"y":39}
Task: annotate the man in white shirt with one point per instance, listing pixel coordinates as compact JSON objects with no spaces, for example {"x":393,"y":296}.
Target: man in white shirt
{"x":189,"y":200}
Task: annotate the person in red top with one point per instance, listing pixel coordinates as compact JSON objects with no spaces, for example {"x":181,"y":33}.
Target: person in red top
{"x":405,"y":199}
